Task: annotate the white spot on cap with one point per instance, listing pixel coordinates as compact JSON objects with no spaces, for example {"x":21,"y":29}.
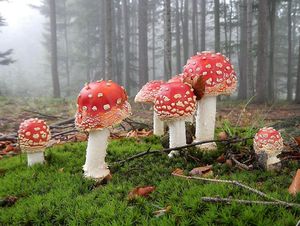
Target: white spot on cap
{"x":28,"y":133}
{"x":90,"y":95}
{"x":190,"y":70}
{"x":94,"y":108}
{"x":36,"y":136}
{"x":100,"y":95}
{"x":219,"y":65}
{"x":219,"y":72}
{"x":208,"y":66}
{"x":37,"y":128}
{"x":84,"y":108}
{"x":106,"y":106}
{"x":198,"y":69}
{"x":119,"y":100}
{"x":177,"y":96}
{"x":204,"y":73}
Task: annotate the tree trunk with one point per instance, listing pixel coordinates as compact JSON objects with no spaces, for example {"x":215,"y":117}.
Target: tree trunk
{"x":225,"y":27}
{"x":203,"y":24}
{"x":153,"y":44}
{"x":242,"y":92}
{"x":230,"y":29}
{"x":217,"y":25}
{"x":167,"y":40}
{"x":195,"y":27}
{"x":108,"y":40}
{"x":102,"y":42}
{"x":185,"y":31}
{"x":143,"y":42}
{"x":126,"y":46}
{"x":289,"y":63}
{"x":271,"y":77}
{"x":66,"y":39}
{"x":54,"y":69}
{"x":250,"y":75}
{"x":298,"y":79}
{"x":262,"y":53}
{"x":178,"y":49}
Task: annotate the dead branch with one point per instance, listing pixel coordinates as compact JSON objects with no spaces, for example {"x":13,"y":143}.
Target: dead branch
{"x":236,"y":183}
{"x":10,"y":137}
{"x":239,"y":164}
{"x":42,"y":114}
{"x":180,"y":148}
{"x":247,"y":202}
{"x":63,"y":133}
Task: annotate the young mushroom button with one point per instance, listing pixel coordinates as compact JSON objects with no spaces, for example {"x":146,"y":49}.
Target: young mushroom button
{"x":100,"y":105}
{"x":268,"y":141}
{"x":210,"y":74}
{"x":33,"y":136}
{"x":174,"y":103}
{"x":147,"y":95}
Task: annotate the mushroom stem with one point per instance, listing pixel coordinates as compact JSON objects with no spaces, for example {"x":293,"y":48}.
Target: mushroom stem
{"x":158,"y":125}
{"x":205,"y":121}
{"x":95,"y":166}
{"x":272,"y":160}
{"x":177,"y":135}
{"x":35,"y":158}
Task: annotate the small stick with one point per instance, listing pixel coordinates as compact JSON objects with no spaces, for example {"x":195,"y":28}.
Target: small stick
{"x":239,"y":164}
{"x":63,"y":133}
{"x":242,"y":201}
{"x":234,"y":182}
{"x":42,"y":114}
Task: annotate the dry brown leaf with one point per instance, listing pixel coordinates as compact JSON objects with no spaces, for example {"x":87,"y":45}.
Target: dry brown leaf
{"x":295,"y":186}
{"x":200,"y":171}
{"x":178,"y":171}
{"x":297,"y":139}
{"x":222,"y":136}
{"x":140,"y":191}
{"x":221,"y":159}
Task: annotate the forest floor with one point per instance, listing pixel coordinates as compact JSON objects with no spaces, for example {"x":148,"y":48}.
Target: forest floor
{"x":56,"y":193}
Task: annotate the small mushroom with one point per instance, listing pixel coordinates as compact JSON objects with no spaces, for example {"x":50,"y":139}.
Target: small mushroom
{"x":268,"y":141}
{"x":101,"y":104}
{"x":210,"y":74}
{"x":147,"y":95}
{"x":174,"y":103}
{"x":33,"y":136}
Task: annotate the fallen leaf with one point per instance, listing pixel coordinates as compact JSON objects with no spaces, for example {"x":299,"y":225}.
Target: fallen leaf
{"x":8,"y":201}
{"x":140,"y":191}
{"x":297,"y":139}
{"x":178,"y":171}
{"x":295,"y":186}
{"x":221,"y":159}
{"x":61,"y":170}
{"x":222,"y":135}
{"x":161,"y":212}
{"x":200,"y":171}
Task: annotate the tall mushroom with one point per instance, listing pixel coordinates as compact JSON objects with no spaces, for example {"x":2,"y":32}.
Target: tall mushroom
{"x":211,"y":74}
{"x":174,"y":103}
{"x":268,"y":141}
{"x":147,"y":95}
{"x":100,"y":105}
{"x":33,"y":136}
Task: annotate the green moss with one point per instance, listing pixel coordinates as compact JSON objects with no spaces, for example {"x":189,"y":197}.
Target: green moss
{"x":56,"y":193}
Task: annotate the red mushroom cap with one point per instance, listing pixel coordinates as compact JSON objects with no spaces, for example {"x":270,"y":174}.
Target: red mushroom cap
{"x":33,"y":135}
{"x":148,"y":92}
{"x":100,"y":105}
{"x":175,"y":100}
{"x":217,"y":73}
{"x":177,"y":78}
{"x":268,"y":139}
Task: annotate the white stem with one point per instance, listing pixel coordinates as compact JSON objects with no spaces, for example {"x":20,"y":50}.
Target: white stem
{"x":190,"y":119}
{"x":272,"y":160}
{"x":95,"y":166}
{"x":205,"y":121}
{"x":177,"y":135}
{"x":158,"y":125}
{"x":35,"y":158}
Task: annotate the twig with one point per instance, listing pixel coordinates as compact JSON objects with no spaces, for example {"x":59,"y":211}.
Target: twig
{"x":180,"y":148}
{"x":42,"y":114}
{"x":11,"y":137}
{"x":236,"y":183}
{"x":67,"y":121}
{"x":63,"y":133}
{"x":242,"y":201}
{"x":239,"y":164}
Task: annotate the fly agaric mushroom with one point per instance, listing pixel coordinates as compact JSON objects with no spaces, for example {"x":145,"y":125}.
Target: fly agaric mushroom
{"x":147,"y":95}
{"x":100,"y":105}
{"x":174,"y":103}
{"x":177,"y":78}
{"x":211,"y":74}
{"x":33,"y":136}
{"x":269,"y":141}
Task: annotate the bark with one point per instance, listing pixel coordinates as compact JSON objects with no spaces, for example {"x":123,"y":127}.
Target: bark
{"x":54,"y":69}
{"x":108,"y":40}
{"x":271,"y":77}
{"x":102,"y":42}
{"x":250,"y":46}
{"x":167,"y":40}
{"x":66,"y":39}
{"x":125,"y":45}
{"x":178,"y":49}
{"x":195,"y":27}
{"x":225,"y":27}
{"x":203,"y":24}
{"x":217,"y":25}
{"x":289,"y":63}
{"x":242,"y":92}
{"x":230,"y":29}
{"x":153,"y":44}
{"x":298,"y":79}
{"x":143,"y":42}
{"x":185,"y":30}
{"x":262,"y":53}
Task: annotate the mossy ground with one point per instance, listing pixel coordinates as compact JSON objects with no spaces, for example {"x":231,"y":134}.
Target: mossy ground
{"x":56,"y":193}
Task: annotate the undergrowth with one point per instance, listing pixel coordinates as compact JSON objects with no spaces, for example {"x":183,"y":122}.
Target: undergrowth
{"x":56,"y":193}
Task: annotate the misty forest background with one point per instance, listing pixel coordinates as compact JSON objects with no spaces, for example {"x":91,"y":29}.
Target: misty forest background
{"x":134,"y":41}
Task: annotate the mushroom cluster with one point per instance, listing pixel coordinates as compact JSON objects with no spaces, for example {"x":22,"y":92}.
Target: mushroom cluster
{"x":147,"y":95}
{"x":211,"y":74}
{"x":174,"y":103}
{"x":100,"y":105}
{"x":33,"y":136}
{"x":268,"y":141}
